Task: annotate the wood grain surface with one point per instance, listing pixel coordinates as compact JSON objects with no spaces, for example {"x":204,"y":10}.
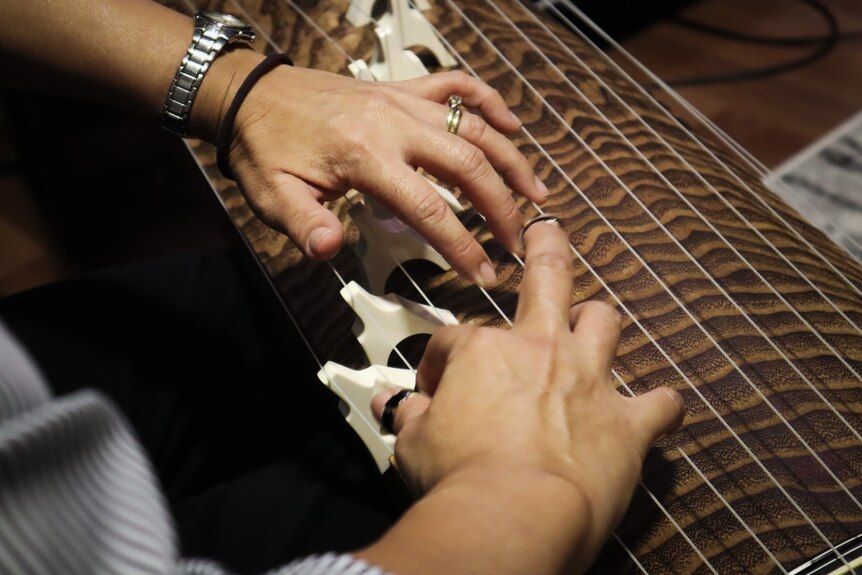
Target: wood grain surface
{"x":729,"y":296}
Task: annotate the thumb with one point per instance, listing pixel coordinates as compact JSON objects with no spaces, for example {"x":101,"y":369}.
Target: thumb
{"x":657,"y":413}
{"x":292,"y":207}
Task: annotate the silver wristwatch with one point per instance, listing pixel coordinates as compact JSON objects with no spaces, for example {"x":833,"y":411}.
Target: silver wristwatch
{"x":213,"y":31}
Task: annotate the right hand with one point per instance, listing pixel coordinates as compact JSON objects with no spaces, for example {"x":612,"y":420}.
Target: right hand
{"x":535,"y":403}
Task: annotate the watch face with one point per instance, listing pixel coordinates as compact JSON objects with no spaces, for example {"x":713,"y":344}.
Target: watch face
{"x":225,"y":19}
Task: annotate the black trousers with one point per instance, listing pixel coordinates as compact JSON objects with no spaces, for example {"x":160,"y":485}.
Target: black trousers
{"x":256,"y":462}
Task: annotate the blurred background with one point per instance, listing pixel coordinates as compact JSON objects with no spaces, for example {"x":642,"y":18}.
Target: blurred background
{"x":779,"y":76}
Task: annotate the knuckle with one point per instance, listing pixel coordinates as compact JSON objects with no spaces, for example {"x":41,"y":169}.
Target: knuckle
{"x":605,"y":313}
{"x":378,"y":102}
{"x":512,"y":212}
{"x":551,"y":261}
{"x":263,"y":202}
{"x":476,"y":126}
{"x":519,"y":161}
{"x":476,"y":167}
{"x":470,"y":338}
{"x":462,"y":245}
{"x":432,"y":210}
{"x":459,"y":77}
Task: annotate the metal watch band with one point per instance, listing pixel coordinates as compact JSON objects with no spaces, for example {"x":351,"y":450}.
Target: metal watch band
{"x":208,"y":40}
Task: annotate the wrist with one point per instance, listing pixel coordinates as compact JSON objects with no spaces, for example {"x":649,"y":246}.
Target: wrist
{"x":225,"y":76}
{"x":494,"y":521}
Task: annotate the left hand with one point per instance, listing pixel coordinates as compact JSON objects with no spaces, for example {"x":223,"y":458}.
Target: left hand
{"x":304,"y":136}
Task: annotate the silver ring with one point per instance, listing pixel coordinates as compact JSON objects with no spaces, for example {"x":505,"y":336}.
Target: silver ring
{"x":543,"y":218}
{"x":387,"y":418}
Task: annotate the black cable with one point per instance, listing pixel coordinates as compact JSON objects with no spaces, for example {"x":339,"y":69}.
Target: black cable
{"x":779,"y":41}
{"x":823,"y":47}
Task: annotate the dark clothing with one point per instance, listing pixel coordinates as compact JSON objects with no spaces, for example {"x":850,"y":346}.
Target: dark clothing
{"x":256,"y":463}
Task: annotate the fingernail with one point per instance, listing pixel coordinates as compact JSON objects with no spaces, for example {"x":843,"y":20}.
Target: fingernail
{"x":315,"y":237}
{"x":675,"y":397}
{"x":543,"y":189}
{"x":516,"y":118}
{"x":487,"y":276}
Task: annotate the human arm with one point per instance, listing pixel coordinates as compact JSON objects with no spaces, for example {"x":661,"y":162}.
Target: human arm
{"x":302,"y":136}
{"x":524,"y":454}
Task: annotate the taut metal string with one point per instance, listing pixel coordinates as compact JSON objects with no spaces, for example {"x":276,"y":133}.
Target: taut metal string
{"x":743,"y":313}
{"x":679,"y":303}
{"x":730,"y":508}
{"x":402,"y":268}
{"x":502,"y":314}
{"x":661,"y":350}
{"x":347,"y":199}
{"x":670,"y":235}
{"x":671,"y":362}
{"x":673,"y":150}
{"x":753,"y":163}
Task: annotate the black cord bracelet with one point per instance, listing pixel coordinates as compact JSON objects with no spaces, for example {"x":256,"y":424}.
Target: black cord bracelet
{"x":225,"y":130}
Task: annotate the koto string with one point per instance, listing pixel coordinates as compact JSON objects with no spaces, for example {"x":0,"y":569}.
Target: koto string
{"x":628,"y":552}
{"x":653,"y":217}
{"x":766,"y":472}
{"x":661,"y":110}
{"x":742,"y":312}
{"x":744,"y":155}
{"x":755,"y":164}
{"x":671,"y":361}
{"x":269,"y":40}
{"x":694,"y":172}
{"x":248,"y":18}
{"x":730,"y":508}
{"x":405,"y":274}
{"x":710,"y":225}
{"x":679,"y":303}
{"x":487,"y":295}
{"x":290,"y":315}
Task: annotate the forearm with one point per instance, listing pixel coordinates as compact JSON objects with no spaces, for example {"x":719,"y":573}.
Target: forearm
{"x":490,"y":524}
{"x":127,"y":57}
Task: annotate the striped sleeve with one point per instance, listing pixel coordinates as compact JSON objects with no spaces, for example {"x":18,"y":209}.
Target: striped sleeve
{"x":77,"y":495}
{"x":328,"y":564}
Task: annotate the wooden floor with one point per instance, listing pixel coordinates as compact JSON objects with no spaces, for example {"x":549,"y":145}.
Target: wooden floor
{"x":773,"y":118}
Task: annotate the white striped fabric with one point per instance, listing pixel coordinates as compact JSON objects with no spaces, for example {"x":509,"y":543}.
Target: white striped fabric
{"x":77,"y":494}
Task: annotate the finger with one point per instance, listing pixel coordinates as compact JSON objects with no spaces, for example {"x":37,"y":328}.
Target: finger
{"x":474,"y":92}
{"x":503,"y":155}
{"x":546,"y":290}
{"x":458,"y":162}
{"x":657,"y":413}
{"x":292,"y":206}
{"x":410,"y":196}
{"x":596,"y":327}
{"x":413,"y":406}
{"x":436,"y":357}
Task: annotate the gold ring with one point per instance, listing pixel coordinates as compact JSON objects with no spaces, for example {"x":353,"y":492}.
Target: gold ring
{"x":454,"y":117}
